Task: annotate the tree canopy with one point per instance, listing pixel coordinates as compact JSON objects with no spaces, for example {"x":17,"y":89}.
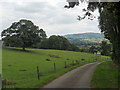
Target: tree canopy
{"x":56,"y":42}
{"x":22,"y":34}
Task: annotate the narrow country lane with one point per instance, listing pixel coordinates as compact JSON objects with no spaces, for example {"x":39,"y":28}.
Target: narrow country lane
{"x":77,"y":78}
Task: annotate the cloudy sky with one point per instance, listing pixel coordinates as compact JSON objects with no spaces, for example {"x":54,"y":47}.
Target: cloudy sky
{"x":47,"y":14}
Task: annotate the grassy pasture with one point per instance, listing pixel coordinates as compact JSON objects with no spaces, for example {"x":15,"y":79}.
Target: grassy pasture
{"x":20,"y":68}
{"x":105,"y":76}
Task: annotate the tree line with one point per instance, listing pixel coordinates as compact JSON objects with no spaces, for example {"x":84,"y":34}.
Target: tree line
{"x":25,"y":33}
{"x":56,"y":42}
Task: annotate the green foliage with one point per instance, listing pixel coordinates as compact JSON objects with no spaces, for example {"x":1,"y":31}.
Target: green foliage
{"x":93,"y":49}
{"x":105,"y":48}
{"x":21,"y":67}
{"x":105,"y":76}
{"x":22,"y":34}
{"x":56,"y":42}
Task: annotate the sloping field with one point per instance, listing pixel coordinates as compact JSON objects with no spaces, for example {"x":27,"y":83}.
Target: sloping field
{"x":20,"y":68}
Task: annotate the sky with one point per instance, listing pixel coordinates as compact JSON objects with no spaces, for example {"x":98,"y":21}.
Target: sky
{"x":50,"y":15}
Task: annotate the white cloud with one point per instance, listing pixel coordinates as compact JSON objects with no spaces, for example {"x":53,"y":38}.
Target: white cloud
{"x":47,"y":14}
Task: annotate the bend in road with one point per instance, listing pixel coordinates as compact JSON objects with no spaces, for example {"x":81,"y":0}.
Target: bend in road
{"x":77,"y":78}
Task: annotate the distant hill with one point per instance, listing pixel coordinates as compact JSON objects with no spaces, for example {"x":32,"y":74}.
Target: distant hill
{"x":85,"y":38}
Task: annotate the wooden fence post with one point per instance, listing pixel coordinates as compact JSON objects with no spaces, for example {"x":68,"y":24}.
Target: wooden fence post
{"x":65,"y":65}
{"x":38,"y":73}
{"x":4,"y":83}
{"x":77,"y":62}
{"x":54,"y":67}
{"x":73,"y":62}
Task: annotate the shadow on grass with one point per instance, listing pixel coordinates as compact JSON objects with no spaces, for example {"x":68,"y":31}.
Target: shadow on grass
{"x":18,"y":50}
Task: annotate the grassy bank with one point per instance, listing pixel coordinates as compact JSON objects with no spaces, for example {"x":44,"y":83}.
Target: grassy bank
{"x":20,"y":68}
{"x":105,"y":76}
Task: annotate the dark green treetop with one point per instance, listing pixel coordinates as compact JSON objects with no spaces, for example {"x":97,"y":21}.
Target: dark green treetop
{"x":22,"y":34}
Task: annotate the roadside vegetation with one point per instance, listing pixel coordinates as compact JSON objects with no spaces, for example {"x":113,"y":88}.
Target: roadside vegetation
{"x":105,"y":76}
{"x":19,"y":68}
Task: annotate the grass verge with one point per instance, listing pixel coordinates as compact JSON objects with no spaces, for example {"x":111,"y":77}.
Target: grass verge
{"x":105,"y":76}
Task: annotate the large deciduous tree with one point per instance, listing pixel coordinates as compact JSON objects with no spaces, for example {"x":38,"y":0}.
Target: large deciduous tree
{"x":109,"y":23}
{"x":22,"y":34}
{"x":61,"y":43}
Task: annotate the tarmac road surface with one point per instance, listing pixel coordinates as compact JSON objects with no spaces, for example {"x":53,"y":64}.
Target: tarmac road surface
{"x":77,"y":78}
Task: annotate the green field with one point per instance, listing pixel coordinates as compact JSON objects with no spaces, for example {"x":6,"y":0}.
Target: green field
{"x":105,"y":76}
{"x":20,"y":68}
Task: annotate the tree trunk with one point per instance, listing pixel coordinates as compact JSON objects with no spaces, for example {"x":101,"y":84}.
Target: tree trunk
{"x":116,"y":50}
